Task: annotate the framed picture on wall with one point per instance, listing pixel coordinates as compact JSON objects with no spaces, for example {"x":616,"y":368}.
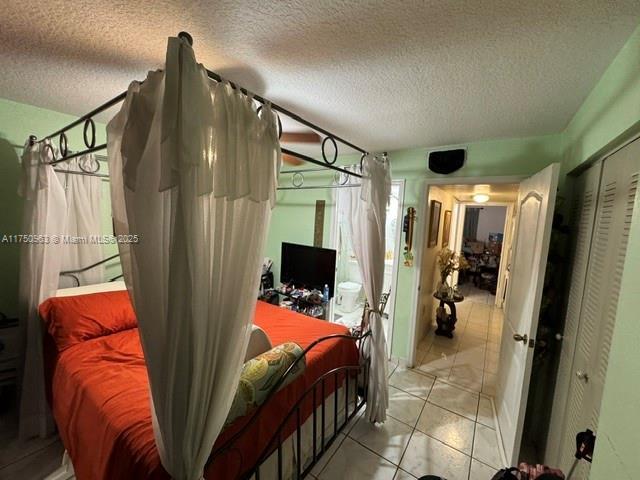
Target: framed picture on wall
{"x":434,"y":223}
{"x":446,"y":228}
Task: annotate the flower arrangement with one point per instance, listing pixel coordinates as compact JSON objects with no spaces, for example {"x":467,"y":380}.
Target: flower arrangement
{"x":449,"y":262}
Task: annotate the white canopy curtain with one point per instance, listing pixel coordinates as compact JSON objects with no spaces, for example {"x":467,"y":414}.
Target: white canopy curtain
{"x":194,"y":171}
{"x":44,"y":218}
{"x":365,"y":210}
{"x":83,"y":197}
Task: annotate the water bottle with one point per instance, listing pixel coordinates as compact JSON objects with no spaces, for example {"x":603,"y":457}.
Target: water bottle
{"x":325,"y":293}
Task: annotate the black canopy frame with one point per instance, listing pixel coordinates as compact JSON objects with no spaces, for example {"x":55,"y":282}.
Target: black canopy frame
{"x":356,"y":376}
{"x":89,"y":130}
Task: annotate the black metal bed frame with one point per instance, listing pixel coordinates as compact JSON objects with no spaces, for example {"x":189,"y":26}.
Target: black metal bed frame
{"x":347,"y":372}
{"x":361,"y":371}
{"x":73,"y":273}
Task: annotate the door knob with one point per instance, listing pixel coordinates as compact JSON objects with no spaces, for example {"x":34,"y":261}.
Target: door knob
{"x":521,"y":338}
{"x":582,"y":375}
{"x":559,"y":336}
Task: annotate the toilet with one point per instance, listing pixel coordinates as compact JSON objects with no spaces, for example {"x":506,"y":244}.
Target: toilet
{"x":348,"y":294}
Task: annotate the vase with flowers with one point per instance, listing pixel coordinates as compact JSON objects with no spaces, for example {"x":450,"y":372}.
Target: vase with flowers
{"x":449,"y":262}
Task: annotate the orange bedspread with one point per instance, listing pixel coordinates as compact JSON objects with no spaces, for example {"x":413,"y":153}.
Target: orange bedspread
{"x":100,"y":399}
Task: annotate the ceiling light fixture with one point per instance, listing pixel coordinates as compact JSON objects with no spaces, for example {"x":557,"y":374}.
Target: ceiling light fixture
{"x":481,"y":193}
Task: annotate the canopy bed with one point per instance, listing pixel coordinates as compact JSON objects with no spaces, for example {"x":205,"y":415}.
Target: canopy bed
{"x":150,"y":376}
{"x":97,"y":370}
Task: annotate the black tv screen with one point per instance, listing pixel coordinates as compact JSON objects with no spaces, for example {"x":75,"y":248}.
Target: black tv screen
{"x":310,"y":267}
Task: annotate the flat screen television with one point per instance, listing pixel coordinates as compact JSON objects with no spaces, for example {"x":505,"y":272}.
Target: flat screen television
{"x":310,"y":267}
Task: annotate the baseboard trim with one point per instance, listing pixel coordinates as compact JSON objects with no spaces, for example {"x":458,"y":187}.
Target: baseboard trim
{"x":503,"y":454}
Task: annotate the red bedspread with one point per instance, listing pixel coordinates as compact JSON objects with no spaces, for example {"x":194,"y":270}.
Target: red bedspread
{"x":100,"y":399}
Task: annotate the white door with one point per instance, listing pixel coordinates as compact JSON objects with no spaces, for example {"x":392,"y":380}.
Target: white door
{"x":581,"y":382}
{"x":536,"y":201}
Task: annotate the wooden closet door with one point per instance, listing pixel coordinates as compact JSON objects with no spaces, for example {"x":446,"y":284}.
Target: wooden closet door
{"x":618,"y":187}
{"x":583,"y":210}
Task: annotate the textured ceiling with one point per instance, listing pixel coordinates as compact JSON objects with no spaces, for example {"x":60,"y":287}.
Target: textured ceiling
{"x":385,"y":75}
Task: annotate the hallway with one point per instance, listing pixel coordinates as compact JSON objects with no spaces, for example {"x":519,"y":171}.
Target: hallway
{"x":441,"y":415}
{"x":470,"y":358}
{"x":474,"y":294}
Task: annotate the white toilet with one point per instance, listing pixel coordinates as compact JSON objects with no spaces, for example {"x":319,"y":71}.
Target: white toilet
{"x":348,"y":294}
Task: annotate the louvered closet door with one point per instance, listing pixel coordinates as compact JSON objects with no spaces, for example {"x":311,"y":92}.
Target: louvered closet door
{"x":585,"y":196}
{"x":616,"y":197}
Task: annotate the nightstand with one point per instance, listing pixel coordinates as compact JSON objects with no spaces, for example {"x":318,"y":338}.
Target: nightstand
{"x":9,"y":352}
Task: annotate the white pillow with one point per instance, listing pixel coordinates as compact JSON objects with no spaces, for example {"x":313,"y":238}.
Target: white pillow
{"x":258,"y":343}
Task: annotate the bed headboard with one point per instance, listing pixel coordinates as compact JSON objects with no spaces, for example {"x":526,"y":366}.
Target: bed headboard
{"x":95,"y":288}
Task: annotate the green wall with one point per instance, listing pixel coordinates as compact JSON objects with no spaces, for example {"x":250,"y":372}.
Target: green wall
{"x":610,"y":112}
{"x":17,"y":122}
{"x":502,"y":157}
{"x":293,"y":221}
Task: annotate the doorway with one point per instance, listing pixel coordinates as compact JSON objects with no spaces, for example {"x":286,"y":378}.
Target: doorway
{"x":484,"y":236}
{"x":348,"y":302}
{"x":480,"y":232}
{"x":508,"y":336}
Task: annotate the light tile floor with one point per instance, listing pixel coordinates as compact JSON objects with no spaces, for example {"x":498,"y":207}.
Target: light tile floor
{"x":441,"y":416}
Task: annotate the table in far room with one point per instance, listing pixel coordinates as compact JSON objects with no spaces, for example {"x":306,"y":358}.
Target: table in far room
{"x":446,"y":321}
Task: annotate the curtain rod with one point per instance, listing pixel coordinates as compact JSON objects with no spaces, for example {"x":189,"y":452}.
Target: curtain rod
{"x":318,"y":187}
{"x":84,"y":174}
{"x":89,"y":132}
{"x":104,"y":176}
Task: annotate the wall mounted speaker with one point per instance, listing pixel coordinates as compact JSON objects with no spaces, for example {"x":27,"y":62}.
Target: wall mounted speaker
{"x":447,"y":161}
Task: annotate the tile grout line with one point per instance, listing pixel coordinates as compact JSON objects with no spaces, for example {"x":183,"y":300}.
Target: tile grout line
{"x":451,"y":411}
{"x":485,"y":464}
{"x":473,"y":440}
{"x":381,"y":456}
{"x":414,"y":427}
{"x":444,"y":408}
{"x":373,"y":451}
{"x":450,"y":446}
